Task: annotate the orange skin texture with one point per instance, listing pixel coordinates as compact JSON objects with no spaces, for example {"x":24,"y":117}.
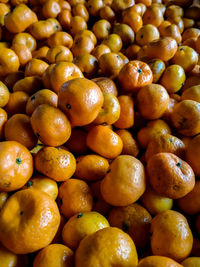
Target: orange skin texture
{"x":60,"y":38}
{"x":20,"y":19}
{"x":186,"y":117}
{"x":106,"y":85}
{"x":77,"y":141}
{"x":191,"y":261}
{"x":177,"y":178}
{"x":81,"y":225}
{"x":163,"y":48}
{"x":152,"y":101}
{"x":3,"y":119}
{"x":133,"y":19}
{"x":9,"y":61}
{"x":157,"y":67}
{"x":41,"y":29}
{"x":113,"y":254}
{"x":80,"y":10}
{"x":16,"y":171}
{"x":172,"y":31}
{"x":44,"y":184}
{"x":152,"y":129}
{"x":156,"y":261}
{"x":44,"y":96}
{"x":4,"y":94}
{"x":153,"y":15}
{"x":134,"y":220}
{"x":125,"y":32}
{"x":25,"y":39}
{"x":29,"y":85}
{"x":104,"y":142}
{"x":56,"y":163}
{"x":191,"y":33}
{"x":125,"y":182}
{"x":130,"y":146}
{"x":18,"y":128}
{"x":135,"y":74}
{"x":147,"y":34}
{"x":35,"y":67}
{"x":192,"y":154}
{"x":54,"y":255}
{"x":51,"y":125}
{"x":174,"y":11}
{"x":17,"y":103}
{"x":119,"y":5}
{"x":114,"y":42}
{"x":165,"y":143}
{"x":91,"y":167}
{"x":101,"y":29}
{"x":81,"y":100}
{"x":63,"y":72}
{"x":190,"y":203}
{"x":82,"y":44}
{"x":17,"y":229}
{"x":186,"y":57}
{"x":76,"y":197}
{"x":88,"y":64}
{"x":59,"y":53}
{"x":172,"y":227}
{"x":23,"y":53}
{"x":40,"y":53}
{"x":100,"y":50}
{"x":77,"y":24}
{"x":51,"y":9}
{"x":64,"y":18}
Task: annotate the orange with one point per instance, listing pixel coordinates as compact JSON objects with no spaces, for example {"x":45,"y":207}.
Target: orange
{"x":25,"y":39}
{"x":60,"y":38}
{"x":191,"y":262}
{"x":3,"y":119}
{"x":9,"y":61}
{"x":190,"y":203}
{"x":80,"y":10}
{"x":17,"y":103}
{"x":77,"y":24}
{"x":101,"y":29}
{"x":56,"y":163}
{"x":51,"y":9}
{"x":43,"y":184}
{"x":125,"y":181}
{"x":173,"y":78}
{"x":125,"y":32}
{"x":165,"y":143}
{"x":154,"y":202}
{"x":157,"y":67}
{"x":3,"y":198}
{"x":35,"y":67}
{"x":59,"y":53}
{"x":104,"y":142}
{"x":50,"y":125}
{"x":174,"y":11}
{"x":190,"y":33}
{"x":163,"y":48}
{"x":186,"y":57}
{"x":18,"y":128}
{"x":152,"y":101}
{"x":177,"y":178}
{"x":94,"y":7}
{"x":81,"y":100}
{"x":130,"y":146}
{"x":134,"y":220}
{"x":153,"y":15}
{"x":88,"y":64}
{"x":99,"y":50}
{"x":16,"y":222}
{"x":12,"y":78}
{"x":114,"y":42}
{"x":16,"y":171}
{"x":44,"y":96}
{"x":152,"y":129}
{"x":156,"y":261}
{"x":64,"y":17}
{"x":81,"y":225}
{"x":106,"y":85}
{"x":135,"y":74}
{"x":82,"y":44}
{"x":4,"y":94}
{"x":133,"y":19}
{"x":192,"y":154}
{"x":91,"y":167}
{"x":23,"y":53}
{"x":165,"y":229}
{"x":119,"y":249}
{"x":75,"y":197}
{"x":132,"y":51}
{"x":77,"y":141}
{"x":29,"y":85}
{"x":54,"y":255}
{"x":186,"y":117}
{"x":147,"y":34}
{"x":107,"y":13}
{"x":173,"y":31}
{"x":119,"y":5}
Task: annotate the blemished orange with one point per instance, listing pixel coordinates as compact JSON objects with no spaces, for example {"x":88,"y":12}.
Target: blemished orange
{"x":119,"y":249}
{"x":104,"y":142}
{"x":56,"y":163}
{"x":81,"y":100}
{"x":50,"y":125}
{"x":81,"y":225}
{"x":156,"y":261}
{"x":135,"y":74}
{"x":75,"y":197}
{"x":22,"y":133}
{"x":54,"y":255}
{"x":16,"y":171}
{"x":154,"y":202}
{"x":177,"y":178}
{"x":165,"y":230}
{"x":125,"y":181}
{"x":91,"y":167}
{"x":17,"y":224}
{"x":134,"y":220}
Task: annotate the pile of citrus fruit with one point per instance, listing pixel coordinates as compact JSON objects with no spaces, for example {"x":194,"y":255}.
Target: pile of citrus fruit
{"x":99,"y":133}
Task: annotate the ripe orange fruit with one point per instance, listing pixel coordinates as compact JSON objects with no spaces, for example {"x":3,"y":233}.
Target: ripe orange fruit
{"x":177,"y":178}
{"x":125,"y":182}
{"x":192,"y":154}
{"x":81,"y":100}
{"x":16,"y":222}
{"x":119,"y":249}
{"x":156,"y":261}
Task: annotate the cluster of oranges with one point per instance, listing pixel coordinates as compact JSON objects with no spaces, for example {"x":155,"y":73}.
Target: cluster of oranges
{"x":99,"y":133}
